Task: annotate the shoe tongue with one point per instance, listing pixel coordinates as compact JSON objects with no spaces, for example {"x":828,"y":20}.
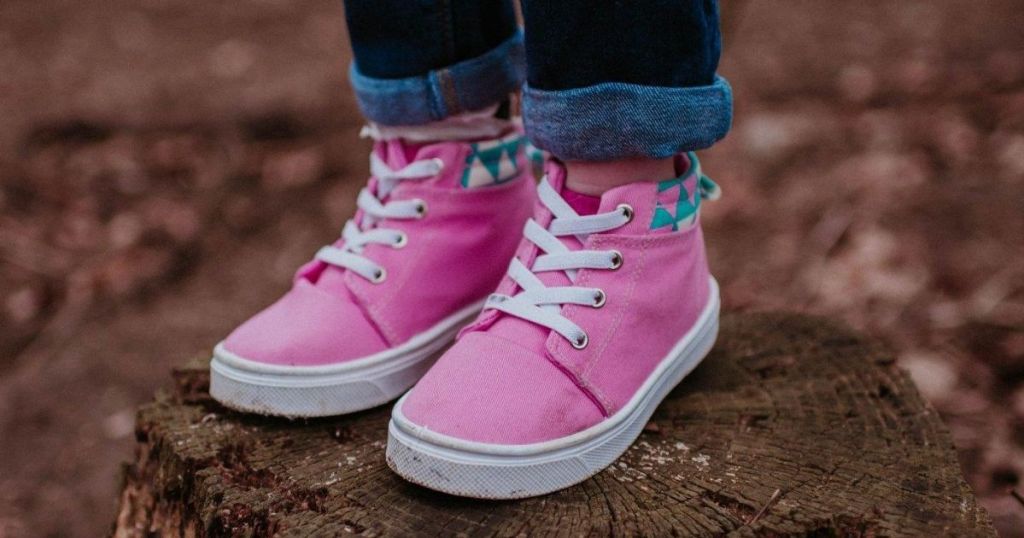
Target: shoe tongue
{"x":397,"y":154}
{"x":523,"y":332}
{"x":583,"y":204}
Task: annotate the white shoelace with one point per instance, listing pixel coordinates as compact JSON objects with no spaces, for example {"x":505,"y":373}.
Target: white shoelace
{"x":541,"y":304}
{"x":357,"y":236}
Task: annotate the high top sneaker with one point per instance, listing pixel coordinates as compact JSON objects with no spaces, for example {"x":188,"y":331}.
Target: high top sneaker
{"x":431,"y":238}
{"x":599,"y":317}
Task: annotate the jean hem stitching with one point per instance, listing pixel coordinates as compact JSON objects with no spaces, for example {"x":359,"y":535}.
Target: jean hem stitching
{"x":468,"y":85}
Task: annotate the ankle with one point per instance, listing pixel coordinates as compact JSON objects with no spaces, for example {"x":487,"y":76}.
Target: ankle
{"x":596,"y":177}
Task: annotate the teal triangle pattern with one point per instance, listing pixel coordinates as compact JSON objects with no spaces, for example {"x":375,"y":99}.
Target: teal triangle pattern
{"x":679,"y":198}
{"x":492,"y":162}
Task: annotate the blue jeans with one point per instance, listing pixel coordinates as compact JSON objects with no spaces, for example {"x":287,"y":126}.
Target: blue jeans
{"x":603,"y":80}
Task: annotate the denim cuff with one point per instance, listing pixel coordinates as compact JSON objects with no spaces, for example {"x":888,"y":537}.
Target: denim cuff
{"x":616,"y":120}
{"x":466,"y":86}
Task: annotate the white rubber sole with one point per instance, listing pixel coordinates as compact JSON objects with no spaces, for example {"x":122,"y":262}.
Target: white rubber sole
{"x":494,"y":471}
{"x":319,"y":391}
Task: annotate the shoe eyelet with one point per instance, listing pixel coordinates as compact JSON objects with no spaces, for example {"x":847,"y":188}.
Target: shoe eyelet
{"x":599,"y":299}
{"x":379,"y":275}
{"x":401,"y":241}
{"x":421,"y":209}
{"x":616,"y":260}
{"x":580,"y":341}
{"x":627,"y":211}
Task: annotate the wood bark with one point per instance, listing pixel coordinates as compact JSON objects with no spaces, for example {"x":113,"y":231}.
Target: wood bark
{"x":792,"y":426}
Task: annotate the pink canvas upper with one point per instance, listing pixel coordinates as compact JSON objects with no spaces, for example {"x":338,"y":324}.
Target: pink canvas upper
{"x":454,"y":256}
{"x":510,"y":381}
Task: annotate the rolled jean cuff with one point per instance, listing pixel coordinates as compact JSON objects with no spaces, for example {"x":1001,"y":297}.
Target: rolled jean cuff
{"x":615,"y":120}
{"x":466,"y":86}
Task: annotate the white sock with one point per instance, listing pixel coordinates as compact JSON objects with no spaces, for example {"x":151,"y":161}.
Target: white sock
{"x":480,"y":124}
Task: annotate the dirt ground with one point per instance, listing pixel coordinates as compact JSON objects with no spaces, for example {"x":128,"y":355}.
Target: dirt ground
{"x":164,"y":167}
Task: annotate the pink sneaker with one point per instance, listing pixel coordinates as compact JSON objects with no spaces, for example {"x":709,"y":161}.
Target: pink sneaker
{"x":364,"y":319}
{"x":600,"y":316}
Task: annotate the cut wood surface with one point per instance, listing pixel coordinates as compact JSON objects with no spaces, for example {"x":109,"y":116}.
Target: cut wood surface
{"x":792,"y":426}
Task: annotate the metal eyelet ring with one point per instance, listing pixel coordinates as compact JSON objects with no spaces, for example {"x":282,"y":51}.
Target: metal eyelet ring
{"x":379,"y":275}
{"x":616,"y":259}
{"x":599,"y":299}
{"x":421,"y":209}
{"x":400,"y":241}
{"x":580,"y":341}
{"x":627,"y":211}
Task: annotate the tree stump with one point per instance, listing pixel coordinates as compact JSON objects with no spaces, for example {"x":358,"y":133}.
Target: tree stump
{"x":792,"y":426}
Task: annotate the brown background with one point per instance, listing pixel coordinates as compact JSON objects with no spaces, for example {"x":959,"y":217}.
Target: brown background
{"x":165,"y":165}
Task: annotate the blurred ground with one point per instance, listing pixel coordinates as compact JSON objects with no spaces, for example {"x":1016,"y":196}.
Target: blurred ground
{"x":165,"y":165}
